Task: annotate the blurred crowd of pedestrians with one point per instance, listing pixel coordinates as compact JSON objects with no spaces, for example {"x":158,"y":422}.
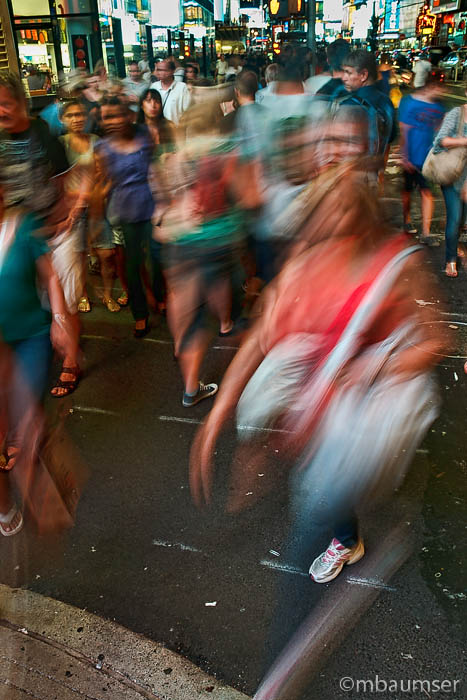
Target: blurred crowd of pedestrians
{"x":251,"y":199}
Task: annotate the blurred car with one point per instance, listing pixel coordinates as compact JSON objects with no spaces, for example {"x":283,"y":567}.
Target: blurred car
{"x":453,"y":64}
{"x":402,"y":60}
{"x":435,"y":54}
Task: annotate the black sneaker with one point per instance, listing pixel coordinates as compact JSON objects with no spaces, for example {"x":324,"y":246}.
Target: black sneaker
{"x":429,"y":241}
{"x":205,"y":391}
{"x":410,"y":228}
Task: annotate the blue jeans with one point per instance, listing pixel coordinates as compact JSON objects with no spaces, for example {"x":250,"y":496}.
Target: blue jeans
{"x":33,"y":357}
{"x":454,"y":209}
{"x":30,"y":377}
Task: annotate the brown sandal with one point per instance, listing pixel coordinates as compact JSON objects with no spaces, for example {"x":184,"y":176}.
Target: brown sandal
{"x":69,"y":385}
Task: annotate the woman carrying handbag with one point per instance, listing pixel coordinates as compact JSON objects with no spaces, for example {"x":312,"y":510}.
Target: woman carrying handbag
{"x":453,"y":135}
{"x":28,"y":333}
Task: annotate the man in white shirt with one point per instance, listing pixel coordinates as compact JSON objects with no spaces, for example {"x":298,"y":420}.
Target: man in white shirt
{"x":134,"y":85}
{"x":234,"y":66}
{"x":175,"y":95}
{"x":271,"y":75}
{"x":420,"y":70}
{"x":221,"y":68}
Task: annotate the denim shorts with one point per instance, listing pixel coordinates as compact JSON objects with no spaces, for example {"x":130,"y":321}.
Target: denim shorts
{"x":105,"y":237}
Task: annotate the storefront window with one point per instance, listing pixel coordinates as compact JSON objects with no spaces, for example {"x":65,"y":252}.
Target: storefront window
{"x":37,"y":57}
{"x":30,"y":8}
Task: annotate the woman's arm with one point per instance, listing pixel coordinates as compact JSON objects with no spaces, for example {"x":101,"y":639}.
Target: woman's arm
{"x":415,"y":283}
{"x":60,"y":330}
{"x":447,"y":136}
{"x":247,"y":360}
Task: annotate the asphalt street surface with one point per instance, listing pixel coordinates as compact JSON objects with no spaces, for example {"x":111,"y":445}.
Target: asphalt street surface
{"x":208,"y":585}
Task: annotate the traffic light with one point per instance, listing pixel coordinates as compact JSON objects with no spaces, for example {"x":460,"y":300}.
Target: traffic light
{"x":80,"y":51}
{"x":276,"y":47}
{"x":278,"y":9}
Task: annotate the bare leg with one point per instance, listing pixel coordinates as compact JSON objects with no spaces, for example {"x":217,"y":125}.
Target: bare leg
{"x":6,"y":504}
{"x":5,"y":493}
{"x":406,"y":197}
{"x":190,"y":362}
{"x":70,"y":360}
{"x":427,"y":211}
{"x":148,"y":288}
{"x":220,"y":303}
{"x":84,"y":261}
{"x":107,"y":258}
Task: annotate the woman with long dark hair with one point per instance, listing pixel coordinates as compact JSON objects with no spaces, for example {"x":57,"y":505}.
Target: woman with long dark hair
{"x":150,"y":113}
{"x":163,"y":134}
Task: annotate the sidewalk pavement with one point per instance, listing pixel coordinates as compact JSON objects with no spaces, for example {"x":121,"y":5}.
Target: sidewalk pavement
{"x":54,"y":651}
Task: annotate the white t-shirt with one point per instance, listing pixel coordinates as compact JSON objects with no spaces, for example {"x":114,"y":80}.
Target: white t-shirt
{"x":134,"y":88}
{"x":175,"y":99}
{"x":232,"y":71}
{"x":221,"y":67}
{"x":179,"y":74}
{"x":315,"y":83}
{"x":421,"y":70}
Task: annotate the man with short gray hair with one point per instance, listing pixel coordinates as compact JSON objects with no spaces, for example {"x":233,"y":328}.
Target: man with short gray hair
{"x":175,"y":95}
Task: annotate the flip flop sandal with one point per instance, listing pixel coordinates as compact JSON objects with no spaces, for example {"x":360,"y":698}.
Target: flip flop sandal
{"x":7,"y":519}
{"x":69,"y":384}
{"x":84,"y":305}
{"x":451,"y":270}
{"x":8,"y":460}
{"x":111,"y":305}
{"x":123,"y":299}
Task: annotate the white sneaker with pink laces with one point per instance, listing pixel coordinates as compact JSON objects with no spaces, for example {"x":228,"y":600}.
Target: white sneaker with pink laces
{"x":329,"y":564}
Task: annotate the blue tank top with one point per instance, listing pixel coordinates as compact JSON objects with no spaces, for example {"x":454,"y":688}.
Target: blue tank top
{"x":131,"y":199}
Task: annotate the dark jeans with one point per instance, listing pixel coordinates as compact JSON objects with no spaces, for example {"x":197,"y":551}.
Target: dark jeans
{"x":158,"y":282}
{"x":454,"y":210}
{"x":137,"y":236}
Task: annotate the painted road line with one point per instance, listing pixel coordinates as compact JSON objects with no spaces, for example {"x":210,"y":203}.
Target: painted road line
{"x":92,"y":409}
{"x":453,"y":313}
{"x":176,"y":545}
{"x":195,"y":421}
{"x":353,"y":580}
{"x":285,"y":568}
{"x":370,"y":582}
{"x":87,"y":336}
{"x":176,"y":419}
{"x":327,"y":625}
{"x":159,"y":341}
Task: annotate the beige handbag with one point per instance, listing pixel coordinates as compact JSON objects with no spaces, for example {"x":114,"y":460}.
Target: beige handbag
{"x":447,"y":166}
